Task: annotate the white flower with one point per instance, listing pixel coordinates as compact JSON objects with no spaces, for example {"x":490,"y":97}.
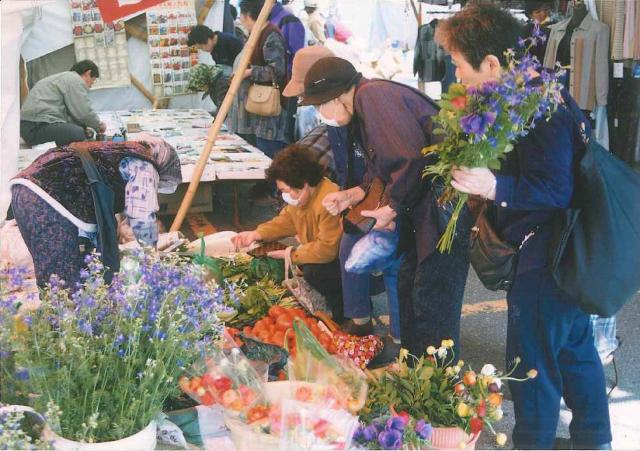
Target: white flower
{"x":442,"y":352}
{"x":449,"y":371}
{"x":497,"y":414}
{"x":497,"y":381}
{"x":431,"y":350}
{"x":488,"y":370}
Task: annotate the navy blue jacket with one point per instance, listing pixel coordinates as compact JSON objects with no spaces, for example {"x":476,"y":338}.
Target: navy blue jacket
{"x":226,"y":49}
{"x":536,"y":182}
{"x":348,"y":157}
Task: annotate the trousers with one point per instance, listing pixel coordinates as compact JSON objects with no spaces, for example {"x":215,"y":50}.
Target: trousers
{"x":62,"y":133}
{"x":554,"y":337}
{"x":431,"y":294}
{"x":51,"y":238}
{"x":356,"y":288}
{"x":325,"y":279}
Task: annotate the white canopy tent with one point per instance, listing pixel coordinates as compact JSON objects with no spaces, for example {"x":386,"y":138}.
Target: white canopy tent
{"x":36,"y":28}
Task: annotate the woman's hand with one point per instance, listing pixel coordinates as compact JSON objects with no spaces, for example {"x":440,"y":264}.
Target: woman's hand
{"x":335,"y":203}
{"x":384,"y":217}
{"x":245,"y":239}
{"x":277,"y":254}
{"x":477,"y":181}
{"x":247,"y":74}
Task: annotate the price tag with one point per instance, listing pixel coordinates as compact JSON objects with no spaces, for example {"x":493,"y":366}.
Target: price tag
{"x":618,"y":70}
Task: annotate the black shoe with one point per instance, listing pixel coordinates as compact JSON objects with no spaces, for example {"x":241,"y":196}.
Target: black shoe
{"x":351,"y":328}
{"x":388,"y":355}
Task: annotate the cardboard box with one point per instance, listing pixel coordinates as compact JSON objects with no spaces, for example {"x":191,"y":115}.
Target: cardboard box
{"x":202,"y":201}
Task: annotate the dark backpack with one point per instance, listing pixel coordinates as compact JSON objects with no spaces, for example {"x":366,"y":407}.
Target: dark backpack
{"x":595,"y":248}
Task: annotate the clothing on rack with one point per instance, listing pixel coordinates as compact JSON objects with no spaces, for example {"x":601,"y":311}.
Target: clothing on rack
{"x":631,"y":30}
{"x":428,"y":59}
{"x":624,"y":119}
{"x":589,"y":60}
{"x":617,"y":32}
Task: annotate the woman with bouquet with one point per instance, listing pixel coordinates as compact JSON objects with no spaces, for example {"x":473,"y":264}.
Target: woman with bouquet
{"x":534,"y":183}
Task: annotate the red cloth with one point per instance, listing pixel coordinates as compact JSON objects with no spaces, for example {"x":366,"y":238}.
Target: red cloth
{"x":115,"y":9}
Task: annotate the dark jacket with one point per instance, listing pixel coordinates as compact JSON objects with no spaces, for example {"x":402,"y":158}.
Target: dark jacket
{"x":536,"y":182}
{"x":291,"y":28}
{"x":393,"y":124}
{"x":226,"y":49}
{"x":59,"y":172}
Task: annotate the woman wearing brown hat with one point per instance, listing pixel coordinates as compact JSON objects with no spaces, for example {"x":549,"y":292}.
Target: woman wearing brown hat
{"x":393,"y":124}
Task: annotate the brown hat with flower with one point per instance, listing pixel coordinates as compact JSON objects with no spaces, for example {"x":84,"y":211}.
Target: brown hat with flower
{"x":302,"y":61}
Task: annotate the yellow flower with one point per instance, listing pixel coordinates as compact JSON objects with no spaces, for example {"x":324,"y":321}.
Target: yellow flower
{"x":404,"y":353}
{"x":447,"y":343}
{"x":431,"y":350}
{"x":460,"y":363}
{"x":19,"y":324}
{"x":501,"y":439}
{"x":531,"y":374}
{"x":496,"y":415}
{"x":464,"y":410}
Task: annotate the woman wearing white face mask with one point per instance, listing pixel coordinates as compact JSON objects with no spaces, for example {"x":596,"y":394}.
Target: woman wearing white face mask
{"x":299,"y":178}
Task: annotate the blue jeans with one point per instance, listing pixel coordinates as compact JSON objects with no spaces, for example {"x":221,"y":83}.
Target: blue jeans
{"x":356,"y":288}
{"x":554,"y":337}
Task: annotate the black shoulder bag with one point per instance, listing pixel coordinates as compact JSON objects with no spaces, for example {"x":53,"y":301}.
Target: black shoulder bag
{"x":595,"y":248}
{"x":103,"y":200}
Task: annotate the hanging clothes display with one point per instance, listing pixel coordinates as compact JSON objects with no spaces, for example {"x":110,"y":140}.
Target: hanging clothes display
{"x":631,"y":30}
{"x":588,"y":59}
{"x":429,"y":57}
{"x":617,"y":32}
{"x":625,"y":118}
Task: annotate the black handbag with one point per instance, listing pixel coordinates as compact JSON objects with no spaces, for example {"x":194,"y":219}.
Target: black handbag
{"x":103,"y":201}
{"x":595,"y":246}
{"x":493,"y":259}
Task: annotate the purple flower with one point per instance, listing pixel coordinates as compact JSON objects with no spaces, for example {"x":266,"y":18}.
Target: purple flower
{"x":369,"y":433}
{"x":358,"y":434}
{"x":397,"y":422}
{"x":390,"y":439}
{"x":22,"y":374}
{"x":477,"y":123}
{"x":424,"y":430}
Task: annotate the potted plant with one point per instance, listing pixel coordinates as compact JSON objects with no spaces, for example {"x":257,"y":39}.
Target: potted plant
{"x":100,"y":360}
{"x":458,"y":403}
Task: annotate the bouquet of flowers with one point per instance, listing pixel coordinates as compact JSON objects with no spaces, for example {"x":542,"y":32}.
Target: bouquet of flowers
{"x":106,"y":357}
{"x":435,"y":389}
{"x":481,"y":124}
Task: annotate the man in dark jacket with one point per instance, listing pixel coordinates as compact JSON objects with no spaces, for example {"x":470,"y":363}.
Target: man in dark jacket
{"x":392,"y":123}
{"x":224,"y":47}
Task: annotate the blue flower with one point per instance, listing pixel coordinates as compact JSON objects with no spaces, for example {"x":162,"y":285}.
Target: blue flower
{"x":493,"y":141}
{"x":22,"y":374}
{"x":424,"y":430}
{"x":397,"y":422}
{"x":358,"y":434}
{"x":390,"y":439}
{"x":369,"y":433}
{"x":477,"y":123}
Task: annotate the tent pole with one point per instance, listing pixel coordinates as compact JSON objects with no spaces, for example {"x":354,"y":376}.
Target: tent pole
{"x":204,"y":11}
{"x":221,"y":115}
{"x":145,"y":92}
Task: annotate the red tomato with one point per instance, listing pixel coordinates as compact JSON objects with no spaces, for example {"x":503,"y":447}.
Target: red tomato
{"x":284,"y":322}
{"x":278,"y":338}
{"x":268,"y":320}
{"x":276,"y":311}
{"x":297,"y":313}
{"x":207,"y":399}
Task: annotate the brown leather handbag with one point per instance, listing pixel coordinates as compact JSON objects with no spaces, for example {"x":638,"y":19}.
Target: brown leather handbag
{"x":264,"y":100}
{"x":353,"y":221}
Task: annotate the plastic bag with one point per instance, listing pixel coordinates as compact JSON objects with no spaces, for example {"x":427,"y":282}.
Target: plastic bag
{"x":374,"y":252}
{"x":226,"y":378}
{"x":305,"y":426}
{"x":344,"y":384}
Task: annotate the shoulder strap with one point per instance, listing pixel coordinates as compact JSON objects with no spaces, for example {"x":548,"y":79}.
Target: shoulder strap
{"x":286,"y":20}
{"x":89,"y":165}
